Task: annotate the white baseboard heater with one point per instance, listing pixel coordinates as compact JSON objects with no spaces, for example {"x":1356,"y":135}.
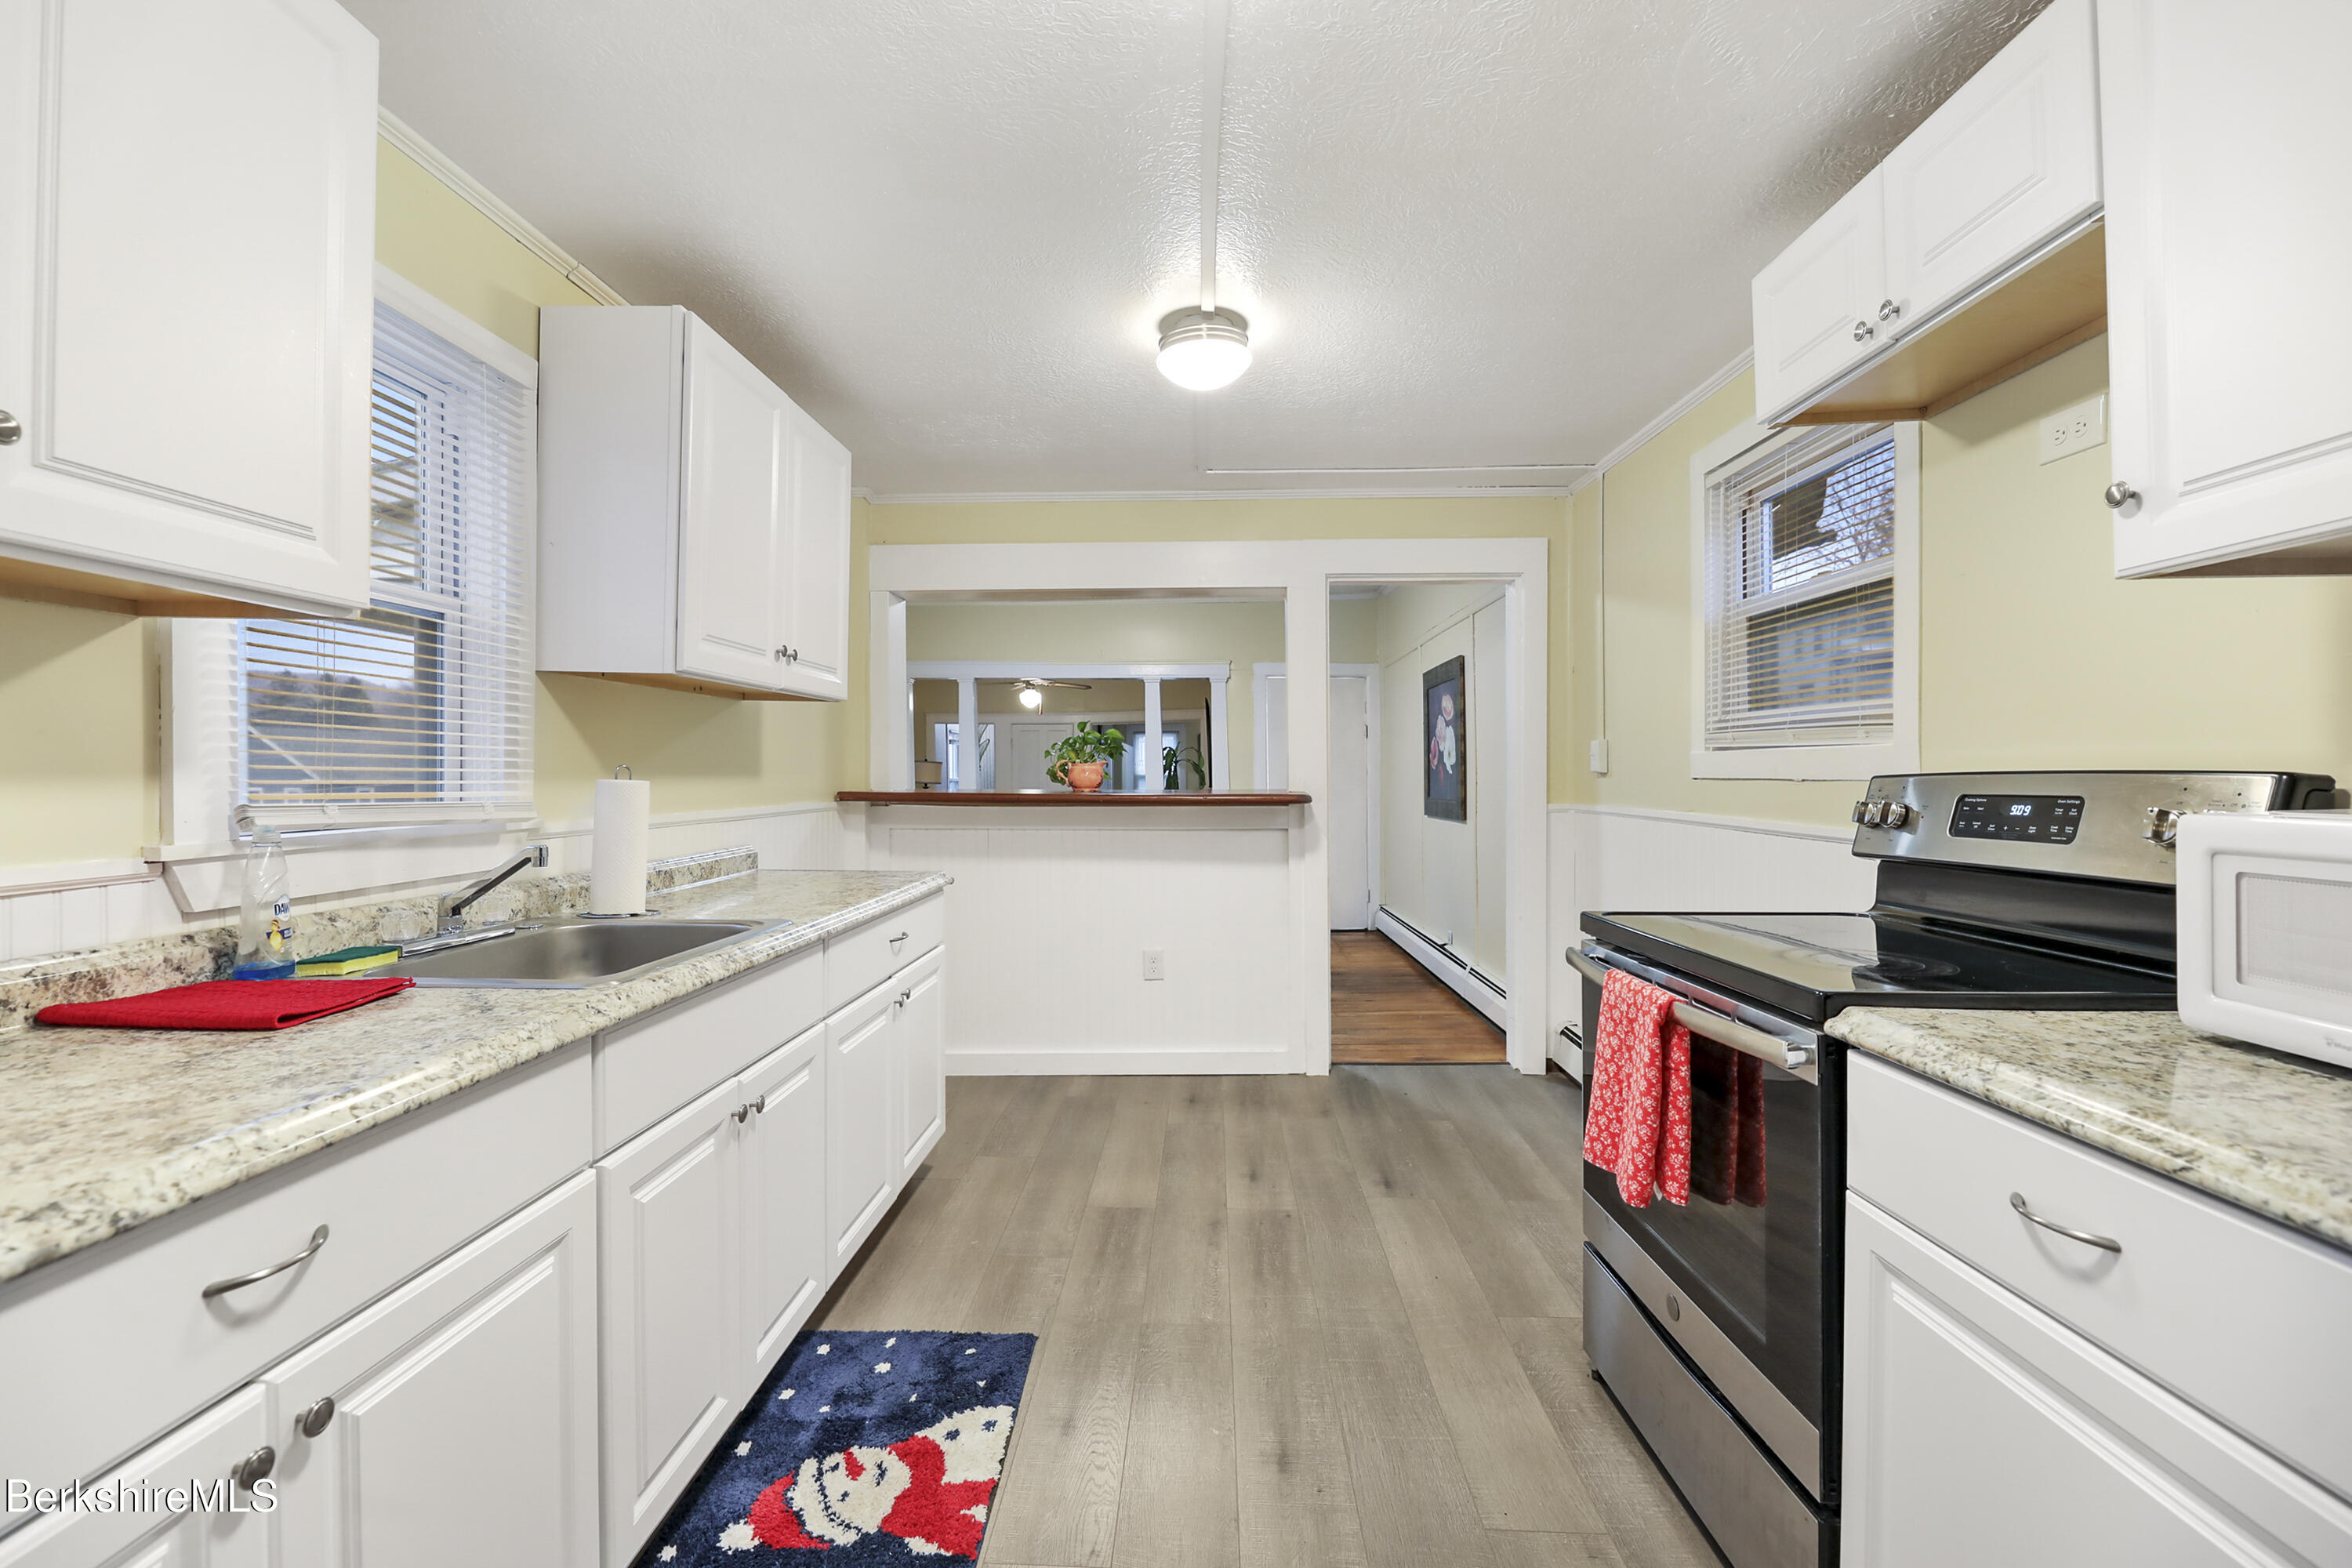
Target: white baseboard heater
{"x":1451,"y":969}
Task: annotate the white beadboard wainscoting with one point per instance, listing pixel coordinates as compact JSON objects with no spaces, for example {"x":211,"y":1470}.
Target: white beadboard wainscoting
{"x":48,"y":910}
{"x":1052,"y":910}
{"x":1624,"y":857}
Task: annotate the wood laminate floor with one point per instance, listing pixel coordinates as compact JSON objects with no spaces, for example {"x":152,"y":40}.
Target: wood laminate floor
{"x":1387,"y":1008}
{"x":1282,"y":1322}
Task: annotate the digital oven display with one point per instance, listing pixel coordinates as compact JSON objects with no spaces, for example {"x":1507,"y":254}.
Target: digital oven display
{"x":2035,"y":818}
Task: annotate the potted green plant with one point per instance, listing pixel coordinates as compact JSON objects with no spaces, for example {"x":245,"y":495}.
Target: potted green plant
{"x":1079,"y":758}
{"x":1174,"y":760}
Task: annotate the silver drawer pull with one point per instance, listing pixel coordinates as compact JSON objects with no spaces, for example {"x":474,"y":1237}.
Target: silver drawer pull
{"x":759,"y":1106}
{"x":900,"y":937}
{"x":313,"y":1420}
{"x":742,"y":1113}
{"x":223,"y":1287}
{"x":2103,"y":1242}
{"x":254,"y":1467}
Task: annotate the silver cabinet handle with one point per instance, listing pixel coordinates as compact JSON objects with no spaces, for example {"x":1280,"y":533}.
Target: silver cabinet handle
{"x":900,"y":937}
{"x":313,"y":1420}
{"x":759,"y":1106}
{"x":781,"y":652}
{"x":1888,"y":310}
{"x":742,"y":1113}
{"x":223,"y":1287}
{"x":2121,"y":495}
{"x":254,"y":1467}
{"x":1864,"y":331}
{"x":2103,"y":1242}
{"x":10,"y":431}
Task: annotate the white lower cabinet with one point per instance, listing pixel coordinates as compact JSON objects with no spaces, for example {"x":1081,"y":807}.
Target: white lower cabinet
{"x":456,"y":1420}
{"x":673,"y":1367}
{"x":861,"y":1166}
{"x":918,"y":1062}
{"x":198,"y":1458}
{"x":1979,"y":1430}
{"x":784,"y":1196}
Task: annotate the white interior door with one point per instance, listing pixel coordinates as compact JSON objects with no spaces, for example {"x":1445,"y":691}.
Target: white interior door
{"x":1347,"y":807}
{"x":1023,"y":763}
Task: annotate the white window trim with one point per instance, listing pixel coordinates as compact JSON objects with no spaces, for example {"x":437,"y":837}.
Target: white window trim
{"x":1899,"y":754}
{"x":335,"y":859}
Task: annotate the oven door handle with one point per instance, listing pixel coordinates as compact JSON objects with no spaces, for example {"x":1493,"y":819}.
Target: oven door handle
{"x":1722,"y":1031}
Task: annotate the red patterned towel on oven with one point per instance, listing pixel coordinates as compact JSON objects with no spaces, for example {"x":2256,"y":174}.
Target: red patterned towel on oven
{"x":1638,"y":1123}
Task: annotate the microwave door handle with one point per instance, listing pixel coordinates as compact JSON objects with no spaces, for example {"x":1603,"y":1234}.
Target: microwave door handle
{"x":1722,"y":1031}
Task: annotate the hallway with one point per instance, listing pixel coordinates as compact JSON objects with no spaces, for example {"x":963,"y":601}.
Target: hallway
{"x":1387,"y":1008}
{"x":1281,"y":1322}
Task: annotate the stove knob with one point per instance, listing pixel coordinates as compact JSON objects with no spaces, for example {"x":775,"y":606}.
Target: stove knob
{"x":1899,"y":815}
{"x":1860,"y":810}
{"x":1874,"y":815}
{"x":2163,"y":829}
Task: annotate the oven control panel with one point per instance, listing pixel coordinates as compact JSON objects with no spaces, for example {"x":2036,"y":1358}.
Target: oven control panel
{"x":2116,"y":826}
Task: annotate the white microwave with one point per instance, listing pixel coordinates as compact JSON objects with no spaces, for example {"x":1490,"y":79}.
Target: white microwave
{"x":2265,"y":921}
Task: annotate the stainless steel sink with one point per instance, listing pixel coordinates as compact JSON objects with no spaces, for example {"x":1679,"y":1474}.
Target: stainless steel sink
{"x":569,"y":953}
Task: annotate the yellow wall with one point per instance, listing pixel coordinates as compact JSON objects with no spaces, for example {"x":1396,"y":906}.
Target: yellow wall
{"x":441,"y":242}
{"x":78,"y":703}
{"x":2032,"y":654}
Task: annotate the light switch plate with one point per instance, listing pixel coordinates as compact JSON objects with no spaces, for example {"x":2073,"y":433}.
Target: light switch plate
{"x":1597,"y":757}
{"x":2075,"y":430}
{"x":1155,"y":964}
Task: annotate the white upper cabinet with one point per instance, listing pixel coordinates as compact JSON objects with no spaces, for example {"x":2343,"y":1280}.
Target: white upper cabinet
{"x":1817,"y":304}
{"x":2010,"y":161}
{"x":694,"y":527}
{"x":2228,"y":222}
{"x":187,"y":221}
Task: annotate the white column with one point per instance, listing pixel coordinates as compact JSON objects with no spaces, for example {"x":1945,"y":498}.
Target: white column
{"x":1221,"y":773}
{"x":967,"y":734}
{"x":1153,"y":780}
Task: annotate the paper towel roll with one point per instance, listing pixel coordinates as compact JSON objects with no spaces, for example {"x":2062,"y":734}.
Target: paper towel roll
{"x":617,"y":867}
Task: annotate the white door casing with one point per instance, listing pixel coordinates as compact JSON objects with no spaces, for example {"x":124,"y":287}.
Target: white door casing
{"x":200,"y":426}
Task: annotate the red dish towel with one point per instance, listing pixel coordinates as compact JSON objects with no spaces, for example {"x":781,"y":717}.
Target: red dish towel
{"x":1638,"y":1124}
{"x":225,"y":1005}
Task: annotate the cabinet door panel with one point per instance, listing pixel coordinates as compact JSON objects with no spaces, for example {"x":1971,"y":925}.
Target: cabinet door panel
{"x":2010,"y":161}
{"x":673,"y":1360}
{"x":860,"y":1168}
{"x":463,"y":1427}
{"x":918,"y":1049}
{"x":1958,"y":1392}
{"x":2229,"y":323}
{"x":1815,"y":297}
{"x":199,"y":1454}
{"x":816,"y":623}
{"x":787,"y":1242}
{"x":203,"y":422}
{"x":733,"y":552}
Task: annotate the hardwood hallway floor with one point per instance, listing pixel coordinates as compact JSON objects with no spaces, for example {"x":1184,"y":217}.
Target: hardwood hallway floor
{"x":1387,"y":1008}
{"x":1282,"y":1322}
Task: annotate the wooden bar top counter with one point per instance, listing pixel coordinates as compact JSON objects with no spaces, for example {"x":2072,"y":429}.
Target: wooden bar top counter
{"x":1068,"y":797}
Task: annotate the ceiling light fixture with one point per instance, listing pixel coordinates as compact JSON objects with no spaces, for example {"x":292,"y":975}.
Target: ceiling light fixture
{"x":1032,"y":698}
{"x":1203,"y":350}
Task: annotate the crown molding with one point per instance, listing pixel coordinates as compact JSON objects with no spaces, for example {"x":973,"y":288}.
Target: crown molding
{"x":479,"y":197}
{"x":1673,"y":411}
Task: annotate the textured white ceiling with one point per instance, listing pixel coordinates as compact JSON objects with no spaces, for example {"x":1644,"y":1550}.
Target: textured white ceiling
{"x":1471,"y":233}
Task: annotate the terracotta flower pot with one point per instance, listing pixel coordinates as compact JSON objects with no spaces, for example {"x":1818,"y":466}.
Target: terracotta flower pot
{"x":1086,"y":777}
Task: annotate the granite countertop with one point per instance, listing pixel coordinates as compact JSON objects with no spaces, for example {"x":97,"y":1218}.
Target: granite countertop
{"x":2269,"y":1133}
{"x":101,"y":1129}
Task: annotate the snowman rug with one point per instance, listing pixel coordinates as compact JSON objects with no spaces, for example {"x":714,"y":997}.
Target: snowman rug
{"x":862,"y":1449}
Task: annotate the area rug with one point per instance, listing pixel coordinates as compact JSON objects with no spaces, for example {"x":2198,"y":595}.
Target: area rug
{"x":860,"y":1448}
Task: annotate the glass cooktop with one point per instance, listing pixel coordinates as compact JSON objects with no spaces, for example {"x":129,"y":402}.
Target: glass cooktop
{"x":1817,"y":964}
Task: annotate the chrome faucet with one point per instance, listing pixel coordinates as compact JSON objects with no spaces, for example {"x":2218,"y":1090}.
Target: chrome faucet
{"x":452,"y":907}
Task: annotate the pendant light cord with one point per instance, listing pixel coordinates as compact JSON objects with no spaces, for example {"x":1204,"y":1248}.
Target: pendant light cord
{"x":1214,"y":14}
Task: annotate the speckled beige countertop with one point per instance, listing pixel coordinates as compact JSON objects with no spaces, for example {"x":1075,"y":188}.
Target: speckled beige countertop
{"x":2270,"y":1132}
{"x":101,"y":1129}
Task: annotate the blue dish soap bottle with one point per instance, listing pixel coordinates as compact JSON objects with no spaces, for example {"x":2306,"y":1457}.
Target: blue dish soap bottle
{"x":265,"y":937}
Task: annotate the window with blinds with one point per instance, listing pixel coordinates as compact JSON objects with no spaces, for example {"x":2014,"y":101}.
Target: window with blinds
{"x":420,"y":709}
{"x":1801,"y":559}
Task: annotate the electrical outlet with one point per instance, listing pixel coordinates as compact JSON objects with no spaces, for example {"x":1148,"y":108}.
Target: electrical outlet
{"x":1155,"y":964}
{"x":2075,"y":430}
{"x":1597,"y":757}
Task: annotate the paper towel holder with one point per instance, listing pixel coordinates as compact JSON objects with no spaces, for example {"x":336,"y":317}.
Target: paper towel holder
{"x":625,"y":914}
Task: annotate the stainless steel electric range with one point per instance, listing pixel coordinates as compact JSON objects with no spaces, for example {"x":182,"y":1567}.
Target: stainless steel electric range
{"x":1717,"y":1326}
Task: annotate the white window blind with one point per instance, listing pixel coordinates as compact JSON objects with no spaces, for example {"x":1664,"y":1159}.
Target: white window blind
{"x":1801,"y":594}
{"x":420,"y":709}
